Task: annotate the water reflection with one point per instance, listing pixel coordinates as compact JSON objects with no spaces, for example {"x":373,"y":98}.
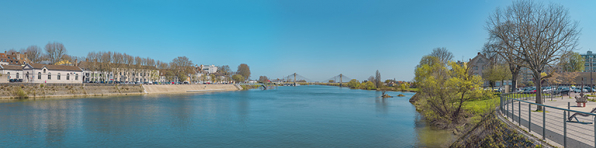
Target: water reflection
{"x":305,"y":116}
{"x":430,"y":137}
{"x":382,"y":105}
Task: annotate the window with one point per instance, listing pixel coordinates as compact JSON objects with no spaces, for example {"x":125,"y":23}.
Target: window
{"x":8,"y":73}
{"x":39,"y":75}
{"x":58,"y":78}
{"x":17,"y":75}
{"x":76,"y":76}
{"x":67,"y":76}
{"x":49,"y":75}
{"x":44,"y":70}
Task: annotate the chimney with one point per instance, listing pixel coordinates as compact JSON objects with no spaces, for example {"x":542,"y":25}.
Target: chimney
{"x":76,"y":63}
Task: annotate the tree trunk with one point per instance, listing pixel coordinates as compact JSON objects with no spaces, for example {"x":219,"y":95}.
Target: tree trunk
{"x":514,"y":69}
{"x":502,"y":85}
{"x":538,"y":84}
{"x":513,"y":82}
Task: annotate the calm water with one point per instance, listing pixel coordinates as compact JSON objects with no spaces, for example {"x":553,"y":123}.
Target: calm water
{"x":304,"y":116}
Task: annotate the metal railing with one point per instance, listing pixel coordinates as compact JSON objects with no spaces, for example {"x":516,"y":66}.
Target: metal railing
{"x":582,"y":135}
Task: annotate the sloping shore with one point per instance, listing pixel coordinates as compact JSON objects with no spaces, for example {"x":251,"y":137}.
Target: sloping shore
{"x":164,"y":89}
{"x":44,"y":91}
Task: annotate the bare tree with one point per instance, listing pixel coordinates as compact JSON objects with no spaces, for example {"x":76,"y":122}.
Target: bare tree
{"x":181,"y":66}
{"x":34,"y":53}
{"x":534,"y":33}
{"x":55,"y":51}
{"x":442,"y":54}
{"x":496,"y":47}
{"x":11,"y":51}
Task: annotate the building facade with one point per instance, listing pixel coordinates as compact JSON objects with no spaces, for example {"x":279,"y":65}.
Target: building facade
{"x":138,"y":74}
{"x":40,"y":73}
{"x":590,"y":63}
{"x":207,"y":69}
{"x":12,"y":71}
{"x":14,"y":58}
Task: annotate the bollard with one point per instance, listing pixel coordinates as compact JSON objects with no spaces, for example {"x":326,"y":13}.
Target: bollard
{"x":519,"y":113}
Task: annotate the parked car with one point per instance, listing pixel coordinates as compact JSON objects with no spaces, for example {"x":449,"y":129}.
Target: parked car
{"x":579,"y":90}
{"x":529,"y":90}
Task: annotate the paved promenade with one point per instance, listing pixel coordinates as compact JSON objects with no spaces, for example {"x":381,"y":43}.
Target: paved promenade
{"x":578,"y":135}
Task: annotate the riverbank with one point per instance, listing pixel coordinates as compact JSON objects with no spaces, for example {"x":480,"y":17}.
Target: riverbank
{"x":379,"y":89}
{"x":44,"y":91}
{"x":168,"y":89}
{"x":481,"y":128}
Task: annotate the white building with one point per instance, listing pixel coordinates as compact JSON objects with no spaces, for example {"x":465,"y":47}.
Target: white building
{"x":137,"y":74}
{"x":209,"y":69}
{"x":40,"y":73}
{"x":12,"y":71}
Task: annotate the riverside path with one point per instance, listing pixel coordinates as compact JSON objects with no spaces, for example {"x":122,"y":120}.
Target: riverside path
{"x":555,"y":120}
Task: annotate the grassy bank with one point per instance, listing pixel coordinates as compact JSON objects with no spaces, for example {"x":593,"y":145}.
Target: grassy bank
{"x":481,"y":127}
{"x":247,"y":87}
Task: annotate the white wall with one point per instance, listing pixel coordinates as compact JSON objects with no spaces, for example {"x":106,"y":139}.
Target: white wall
{"x":72,"y":76}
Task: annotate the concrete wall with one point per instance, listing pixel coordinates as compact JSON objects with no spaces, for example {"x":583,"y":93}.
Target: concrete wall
{"x":152,"y":89}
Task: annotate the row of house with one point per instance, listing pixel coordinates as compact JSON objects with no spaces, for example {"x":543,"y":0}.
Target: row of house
{"x":42,"y":73}
{"x":82,"y":72}
{"x":16,"y":66}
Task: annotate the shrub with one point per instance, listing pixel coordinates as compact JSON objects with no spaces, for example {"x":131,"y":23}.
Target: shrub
{"x":20,"y":94}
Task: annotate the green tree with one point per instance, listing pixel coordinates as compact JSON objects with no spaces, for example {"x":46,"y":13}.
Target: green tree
{"x":368,"y":85}
{"x":572,"y":62}
{"x":354,"y":83}
{"x":444,"y":90}
{"x":244,"y":70}
{"x":496,"y":73}
{"x":238,"y":78}
{"x":405,"y":86}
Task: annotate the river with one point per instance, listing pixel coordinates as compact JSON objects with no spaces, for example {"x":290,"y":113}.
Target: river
{"x":303,"y":116}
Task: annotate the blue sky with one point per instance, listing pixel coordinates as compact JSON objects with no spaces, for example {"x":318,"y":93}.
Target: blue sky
{"x":315,"y":38}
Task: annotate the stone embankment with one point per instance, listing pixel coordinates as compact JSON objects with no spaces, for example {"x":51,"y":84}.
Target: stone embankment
{"x":38,"y":91}
{"x":25,"y":90}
